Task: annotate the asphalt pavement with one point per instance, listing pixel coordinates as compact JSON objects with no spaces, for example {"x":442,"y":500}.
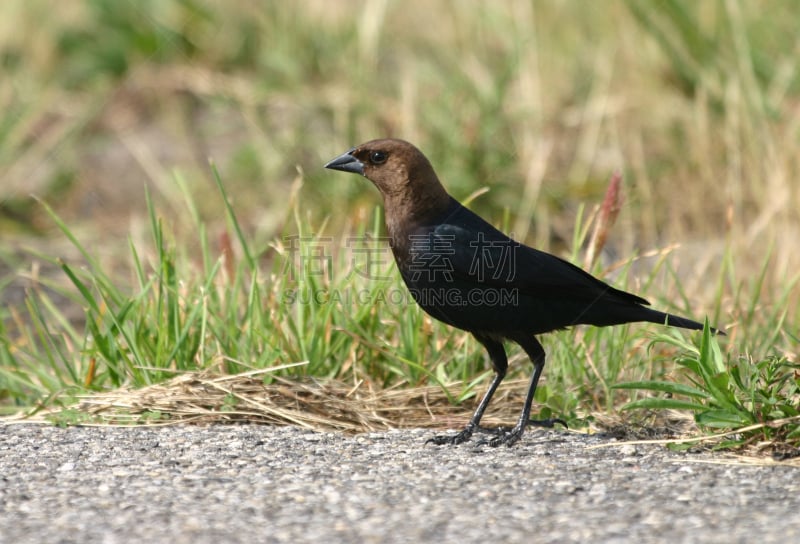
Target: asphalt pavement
{"x":249,"y":483}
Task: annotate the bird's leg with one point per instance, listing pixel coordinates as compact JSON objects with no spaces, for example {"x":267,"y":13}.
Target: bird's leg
{"x":536,"y":353}
{"x":497,"y":354}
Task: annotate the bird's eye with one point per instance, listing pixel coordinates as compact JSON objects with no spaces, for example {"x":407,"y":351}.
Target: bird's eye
{"x":377,"y":157}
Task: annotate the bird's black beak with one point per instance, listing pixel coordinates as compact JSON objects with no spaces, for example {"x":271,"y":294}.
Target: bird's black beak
{"x":346,"y":162}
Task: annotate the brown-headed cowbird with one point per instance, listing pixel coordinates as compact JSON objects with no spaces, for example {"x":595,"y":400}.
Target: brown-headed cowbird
{"x":463,"y":271}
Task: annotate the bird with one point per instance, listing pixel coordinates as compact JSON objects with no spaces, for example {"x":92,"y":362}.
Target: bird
{"x":463,"y":271}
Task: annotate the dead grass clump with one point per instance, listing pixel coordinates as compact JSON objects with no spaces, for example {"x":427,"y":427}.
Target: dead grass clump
{"x":328,"y":405}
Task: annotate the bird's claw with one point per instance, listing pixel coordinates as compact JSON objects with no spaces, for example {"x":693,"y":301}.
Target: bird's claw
{"x":507,"y":437}
{"x":510,"y":436}
{"x":501,"y":435}
{"x":454,"y":439}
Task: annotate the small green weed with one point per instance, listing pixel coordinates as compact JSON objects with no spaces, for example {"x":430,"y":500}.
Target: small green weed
{"x":725,"y":395}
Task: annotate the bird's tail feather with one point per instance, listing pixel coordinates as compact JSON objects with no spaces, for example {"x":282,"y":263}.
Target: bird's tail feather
{"x":654,"y":316}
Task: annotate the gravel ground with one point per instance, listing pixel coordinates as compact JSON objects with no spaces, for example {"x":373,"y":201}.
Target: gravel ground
{"x":248,"y":483}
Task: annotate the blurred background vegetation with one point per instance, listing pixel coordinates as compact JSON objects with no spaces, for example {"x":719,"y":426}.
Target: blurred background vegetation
{"x":697,"y":104}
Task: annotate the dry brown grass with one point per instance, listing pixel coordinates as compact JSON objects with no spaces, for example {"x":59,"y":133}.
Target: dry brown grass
{"x":329,"y":405}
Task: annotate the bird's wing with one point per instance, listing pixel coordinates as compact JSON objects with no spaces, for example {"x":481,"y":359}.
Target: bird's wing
{"x":476,"y":252}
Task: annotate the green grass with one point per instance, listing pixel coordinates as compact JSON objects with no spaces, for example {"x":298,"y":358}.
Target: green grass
{"x":225,"y":312}
{"x":139,"y":261}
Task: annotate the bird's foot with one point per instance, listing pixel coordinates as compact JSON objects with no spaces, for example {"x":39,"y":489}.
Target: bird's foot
{"x":548,"y":423}
{"x":509,"y":437}
{"x":493,"y":430}
{"x":455,"y":439}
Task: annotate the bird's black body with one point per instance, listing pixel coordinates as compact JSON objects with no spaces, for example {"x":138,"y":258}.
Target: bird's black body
{"x":464,"y":272}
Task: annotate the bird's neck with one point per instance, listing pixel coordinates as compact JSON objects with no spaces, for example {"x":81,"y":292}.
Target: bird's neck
{"x":411,"y":216}
{"x":410,"y":209}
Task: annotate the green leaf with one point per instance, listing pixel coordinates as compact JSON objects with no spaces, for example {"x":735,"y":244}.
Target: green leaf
{"x":723,"y":419}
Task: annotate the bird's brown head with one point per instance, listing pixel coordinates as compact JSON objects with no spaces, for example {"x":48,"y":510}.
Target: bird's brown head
{"x":403,"y":175}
